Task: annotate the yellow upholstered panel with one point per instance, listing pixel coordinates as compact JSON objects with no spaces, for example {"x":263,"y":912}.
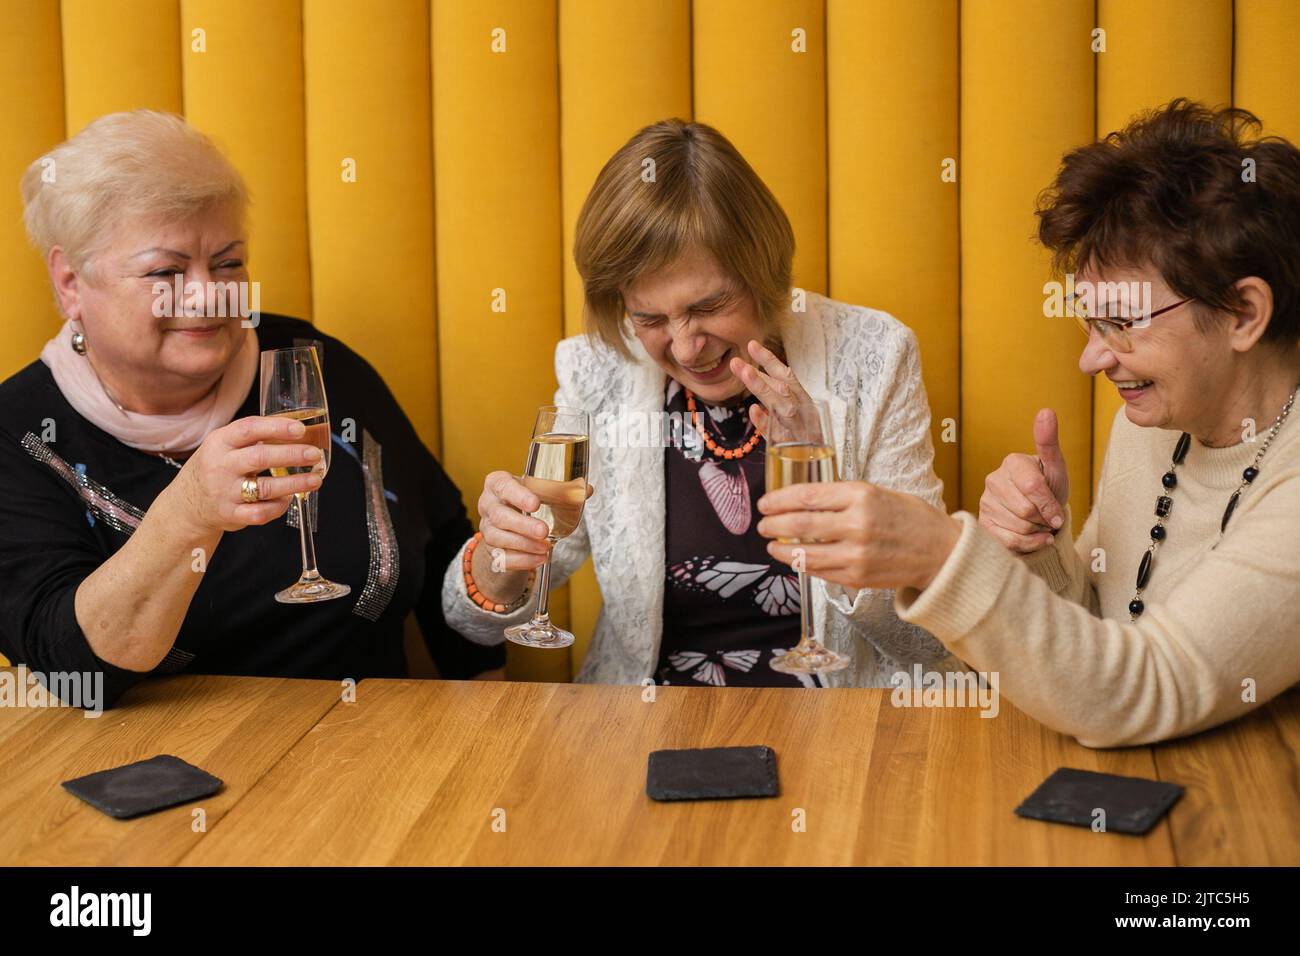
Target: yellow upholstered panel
{"x":122,"y":55}
{"x":891,"y":74}
{"x":760,"y":78}
{"x":1266,"y":79}
{"x":370,"y":192}
{"x":609,"y":89}
{"x":496,"y":138}
{"x":31,"y":93}
{"x":1027,"y":97}
{"x":1155,"y":50}
{"x":245,"y":89}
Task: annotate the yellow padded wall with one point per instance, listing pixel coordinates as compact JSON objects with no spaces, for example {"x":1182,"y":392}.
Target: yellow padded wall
{"x":1155,"y":50}
{"x":770,"y":101}
{"x":891,"y":73}
{"x":31,"y":88}
{"x":243,"y":86}
{"x":609,"y":89}
{"x":31,"y":91}
{"x":1266,"y":79}
{"x":370,"y":192}
{"x":496,"y":140}
{"x":117,"y":56}
{"x":1027,"y":97}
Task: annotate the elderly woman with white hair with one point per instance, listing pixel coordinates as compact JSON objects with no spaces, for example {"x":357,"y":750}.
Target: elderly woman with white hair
{"x":137,"y":535}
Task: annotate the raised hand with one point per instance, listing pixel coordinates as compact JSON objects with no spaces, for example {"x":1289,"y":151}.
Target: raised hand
{"x":775,"y":386}
{"x":1024,"y":500}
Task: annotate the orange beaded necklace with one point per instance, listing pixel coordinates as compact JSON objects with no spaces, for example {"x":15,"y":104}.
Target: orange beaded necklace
{"x":730,"y":454}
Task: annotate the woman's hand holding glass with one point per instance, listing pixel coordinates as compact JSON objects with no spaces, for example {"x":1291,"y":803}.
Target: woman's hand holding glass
{"x":865,"y":536}
{"x":555,"y":473}
{"x":513,"y":539}
{"x":212,"y":479}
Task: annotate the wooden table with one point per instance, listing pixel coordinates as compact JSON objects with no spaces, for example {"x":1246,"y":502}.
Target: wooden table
{"x":427,"y":772}
{"x":235,"y":727}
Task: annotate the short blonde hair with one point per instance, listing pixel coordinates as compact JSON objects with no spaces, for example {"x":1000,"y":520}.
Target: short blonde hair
{"x":673,"y":186}
{"x":122,"y":166}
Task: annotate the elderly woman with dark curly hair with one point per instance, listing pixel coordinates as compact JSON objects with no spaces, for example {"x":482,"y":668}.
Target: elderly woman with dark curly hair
{"x":1178,"y":606}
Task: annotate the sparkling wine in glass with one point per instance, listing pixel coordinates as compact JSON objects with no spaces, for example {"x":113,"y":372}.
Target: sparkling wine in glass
{"x":292,"y":387}
{"x":801,"y":448}
{"x":556,"y":472}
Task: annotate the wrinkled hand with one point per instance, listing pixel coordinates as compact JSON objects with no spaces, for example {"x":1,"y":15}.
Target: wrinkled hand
{"x":212,"y":479}
{"x":514,"y":538}
{"x":1024,"y":500}
{"x":862,"y":535}
{"x":775,"y":386}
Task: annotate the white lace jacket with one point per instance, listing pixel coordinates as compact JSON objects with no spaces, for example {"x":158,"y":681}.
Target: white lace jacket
{"x":864,"y":362}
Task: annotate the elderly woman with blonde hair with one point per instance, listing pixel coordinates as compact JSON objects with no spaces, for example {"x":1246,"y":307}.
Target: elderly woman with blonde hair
{"x":690,"y":310}
{"x":136,"y":531}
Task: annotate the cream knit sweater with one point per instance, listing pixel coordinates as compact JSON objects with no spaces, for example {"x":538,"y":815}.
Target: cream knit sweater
{"x":1221,"y":630}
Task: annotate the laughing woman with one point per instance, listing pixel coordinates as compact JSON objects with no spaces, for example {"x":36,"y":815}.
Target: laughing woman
{"x":137,"y":537}
{"x":687,"y":282}
{"x":1178,"y":607}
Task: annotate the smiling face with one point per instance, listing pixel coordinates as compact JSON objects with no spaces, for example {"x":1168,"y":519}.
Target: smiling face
{"x":153,"y":364}
{"x":1176,"y":376}
{"x":693,"y":318}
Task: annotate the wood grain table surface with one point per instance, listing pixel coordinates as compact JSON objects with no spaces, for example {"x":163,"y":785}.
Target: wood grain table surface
{"x":498,"y":773}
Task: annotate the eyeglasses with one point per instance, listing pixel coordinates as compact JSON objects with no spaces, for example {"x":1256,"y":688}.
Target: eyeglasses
{"x":1115,"y":332}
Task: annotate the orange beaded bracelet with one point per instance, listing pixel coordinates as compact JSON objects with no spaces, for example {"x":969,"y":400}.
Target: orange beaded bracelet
{"x":477,"y":596}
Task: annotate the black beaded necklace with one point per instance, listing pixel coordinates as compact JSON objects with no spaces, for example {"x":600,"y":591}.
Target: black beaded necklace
{"x":1164,"y":504}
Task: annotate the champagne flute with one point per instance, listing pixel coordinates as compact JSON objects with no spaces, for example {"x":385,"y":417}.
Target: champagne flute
{"x":293,"y":387}
{"x":801,"y":448}
{"x":556,"y":472}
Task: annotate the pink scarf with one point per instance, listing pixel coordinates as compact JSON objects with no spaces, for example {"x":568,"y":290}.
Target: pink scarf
{"x":176,"y":434}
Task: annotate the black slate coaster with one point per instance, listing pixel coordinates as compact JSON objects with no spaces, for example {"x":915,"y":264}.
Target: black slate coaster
{"x":1132,"y":804}
{"x":143,"y":787}
{"x":712,"y":773}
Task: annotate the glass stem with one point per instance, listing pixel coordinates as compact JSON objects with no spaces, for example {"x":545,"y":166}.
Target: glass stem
{"x":309,"y":571}
{"x":805,"y":611}
{"x":542,"y":614}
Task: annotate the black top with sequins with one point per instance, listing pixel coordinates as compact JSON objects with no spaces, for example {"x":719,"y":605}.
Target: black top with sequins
{"x":389,"y":520}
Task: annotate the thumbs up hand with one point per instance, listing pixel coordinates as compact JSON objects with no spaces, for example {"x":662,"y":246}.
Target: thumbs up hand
{"x":1023,"y":503}
{"x":1050,"y":460}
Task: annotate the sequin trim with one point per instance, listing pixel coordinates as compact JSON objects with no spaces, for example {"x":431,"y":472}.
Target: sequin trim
{"x":313,"y":513}
{"x":117,"y":513}
{"x":385,"y":562}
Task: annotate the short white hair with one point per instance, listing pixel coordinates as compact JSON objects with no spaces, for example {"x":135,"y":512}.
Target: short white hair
{"x":122,"y":167}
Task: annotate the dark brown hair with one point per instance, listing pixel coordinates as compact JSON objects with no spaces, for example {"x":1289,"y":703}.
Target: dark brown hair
{"x":1195,"y":193}
{"x":699,"y":191}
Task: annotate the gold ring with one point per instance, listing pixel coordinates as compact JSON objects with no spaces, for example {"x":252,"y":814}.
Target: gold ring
{"x":249,"y":492}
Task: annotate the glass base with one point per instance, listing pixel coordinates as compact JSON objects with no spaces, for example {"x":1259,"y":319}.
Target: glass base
{"x":539,"y":634}
{"x":810,"y":658}
{"x":309,"y":590}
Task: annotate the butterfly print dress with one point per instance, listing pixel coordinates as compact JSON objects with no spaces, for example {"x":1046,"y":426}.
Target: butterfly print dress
{"x":729,"y":607}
